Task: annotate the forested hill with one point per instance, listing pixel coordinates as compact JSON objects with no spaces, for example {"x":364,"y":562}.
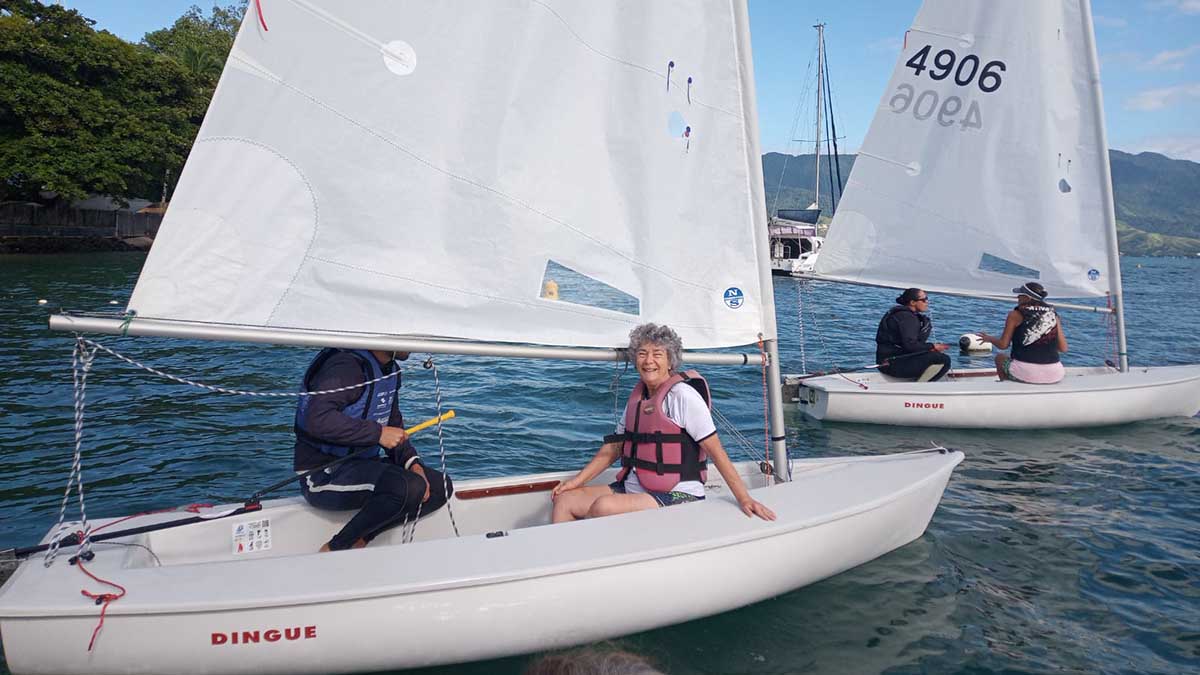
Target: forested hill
{"x":1157,"y":198}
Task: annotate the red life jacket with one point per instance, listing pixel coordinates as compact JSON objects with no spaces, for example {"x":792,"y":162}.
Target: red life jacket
{"x":662,"y":452}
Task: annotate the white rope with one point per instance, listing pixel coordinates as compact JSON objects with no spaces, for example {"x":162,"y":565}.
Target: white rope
{"x":826,"y":354}
{"x":235,"y":392}
{"x":81,"y":363}
{"x":437,"y":395}
{"x":800,"y":320}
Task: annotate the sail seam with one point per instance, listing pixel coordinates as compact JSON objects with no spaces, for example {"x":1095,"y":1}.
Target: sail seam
{"x":311,"y":193}
{"x":463,"y":179}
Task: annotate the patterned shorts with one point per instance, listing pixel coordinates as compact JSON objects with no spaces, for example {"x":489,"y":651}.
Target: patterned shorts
{"x":663,"y":498}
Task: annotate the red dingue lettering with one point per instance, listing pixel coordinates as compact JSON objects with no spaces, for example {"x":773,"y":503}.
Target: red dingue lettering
{"x":245,"y":637}
{"x":916,"y":404}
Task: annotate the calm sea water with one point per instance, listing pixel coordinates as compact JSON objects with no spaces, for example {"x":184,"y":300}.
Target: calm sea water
{"x":1073,"y":551}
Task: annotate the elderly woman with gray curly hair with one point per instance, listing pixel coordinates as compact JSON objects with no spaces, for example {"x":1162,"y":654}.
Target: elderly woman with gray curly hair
{"x":664,"y":441}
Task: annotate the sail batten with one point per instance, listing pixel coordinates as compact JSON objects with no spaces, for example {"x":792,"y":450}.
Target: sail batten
{"x":397,"y":168}
{"x":980,"y":170}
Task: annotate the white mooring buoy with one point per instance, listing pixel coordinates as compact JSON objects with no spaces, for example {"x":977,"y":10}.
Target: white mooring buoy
{"x":971,"y":343}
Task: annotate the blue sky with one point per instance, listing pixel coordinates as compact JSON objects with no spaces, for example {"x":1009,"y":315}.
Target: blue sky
{"x":1149,"y":54}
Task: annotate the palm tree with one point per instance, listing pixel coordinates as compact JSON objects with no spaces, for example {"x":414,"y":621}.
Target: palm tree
{"x":201,"y":62}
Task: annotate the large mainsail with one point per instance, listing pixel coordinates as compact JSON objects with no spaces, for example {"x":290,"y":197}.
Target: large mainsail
{"x":415,"y":168}
{"x":982,"y":168}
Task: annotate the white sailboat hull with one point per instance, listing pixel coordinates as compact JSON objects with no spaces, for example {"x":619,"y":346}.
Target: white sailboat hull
{"x":794,"y":266}
{"x":446,"y":599}
{"x":1086,"y":397}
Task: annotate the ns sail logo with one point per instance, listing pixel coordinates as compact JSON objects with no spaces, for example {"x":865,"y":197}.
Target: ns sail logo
{"x":734,"y":298}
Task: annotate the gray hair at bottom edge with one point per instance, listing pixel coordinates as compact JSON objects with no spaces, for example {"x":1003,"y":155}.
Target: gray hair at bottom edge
{"x":662,"y":336}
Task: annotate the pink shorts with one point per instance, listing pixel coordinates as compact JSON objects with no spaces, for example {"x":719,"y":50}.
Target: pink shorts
{"x":1035,"y":373}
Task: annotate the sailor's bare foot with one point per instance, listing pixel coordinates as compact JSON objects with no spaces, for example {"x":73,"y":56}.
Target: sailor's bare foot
{"x":361,"y":543}
{"x":324,"y":548}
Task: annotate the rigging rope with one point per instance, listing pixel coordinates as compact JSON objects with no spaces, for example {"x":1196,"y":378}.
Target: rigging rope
{"x":746,"y":445}
{"x":233,"y":392}
{"x":762,"y":350}
{"x":787,"y":156}
{"x":437,"y":394}
{"x":81,"y":364}
{"x":825,"y":353}
{"x":1110,"y":322}
{"x":800,"y":322}
{"x":834,"y":197}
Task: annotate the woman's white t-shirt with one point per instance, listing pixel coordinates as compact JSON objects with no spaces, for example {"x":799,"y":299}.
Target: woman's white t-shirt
{"x":684,"y":406}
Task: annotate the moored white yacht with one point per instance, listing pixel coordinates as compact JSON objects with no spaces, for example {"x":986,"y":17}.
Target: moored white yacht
{"x":794,"y":242}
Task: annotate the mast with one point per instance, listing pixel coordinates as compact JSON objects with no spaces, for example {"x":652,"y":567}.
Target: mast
{"x":820,"y":91}
{"x":1110,"y":216}
{"x":758,"y":226}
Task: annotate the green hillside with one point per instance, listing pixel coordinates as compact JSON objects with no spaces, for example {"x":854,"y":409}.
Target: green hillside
{"x":1156,"y":194}
{"x":1157,"y":198}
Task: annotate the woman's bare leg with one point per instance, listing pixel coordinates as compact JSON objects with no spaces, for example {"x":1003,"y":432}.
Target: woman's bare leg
{"x":613,"y":504}
{"x":574,"y":504}
{"x":1001,"y":361}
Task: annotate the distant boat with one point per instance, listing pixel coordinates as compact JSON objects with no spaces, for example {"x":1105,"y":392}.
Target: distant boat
{"x":986,"y":166}
{"x":793,"y":232}
{"x":794,"y":244}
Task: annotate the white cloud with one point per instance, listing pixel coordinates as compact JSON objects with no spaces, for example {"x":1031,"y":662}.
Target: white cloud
{"x":1182,"y":6}
{"x":888,"y":45}
{"x":1110,"y":21}
{"x":1174,"y":59}
{"x":1175,"y":147}
{"x":1157,"y":99}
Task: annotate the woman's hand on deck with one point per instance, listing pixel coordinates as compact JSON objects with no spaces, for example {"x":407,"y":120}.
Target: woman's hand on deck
{"x":752,"y":507}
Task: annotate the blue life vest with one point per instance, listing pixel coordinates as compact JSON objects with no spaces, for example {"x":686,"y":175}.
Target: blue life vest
{"x":369,"y":405}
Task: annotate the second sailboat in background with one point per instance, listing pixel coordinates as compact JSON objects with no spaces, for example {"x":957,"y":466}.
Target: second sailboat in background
{"x":986,"y":166}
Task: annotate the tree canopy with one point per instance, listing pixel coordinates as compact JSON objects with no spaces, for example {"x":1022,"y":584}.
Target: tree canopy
{"x":84,"y":112}
{"x":201,"y":44}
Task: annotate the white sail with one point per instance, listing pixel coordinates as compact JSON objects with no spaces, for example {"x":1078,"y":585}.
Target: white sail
{"x":981,"y":169}
{"x":408,"y":168}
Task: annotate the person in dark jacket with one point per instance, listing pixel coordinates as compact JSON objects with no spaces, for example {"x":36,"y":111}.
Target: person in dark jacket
{"x":901,"y":341}
{"x":388,"y":490}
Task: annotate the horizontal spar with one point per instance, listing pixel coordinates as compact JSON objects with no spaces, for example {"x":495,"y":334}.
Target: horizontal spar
{"x":977,"y":296}
{"x":304,"y":338}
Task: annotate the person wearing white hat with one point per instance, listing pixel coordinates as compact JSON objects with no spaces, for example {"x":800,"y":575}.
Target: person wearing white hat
{"x":1036,"y":335}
